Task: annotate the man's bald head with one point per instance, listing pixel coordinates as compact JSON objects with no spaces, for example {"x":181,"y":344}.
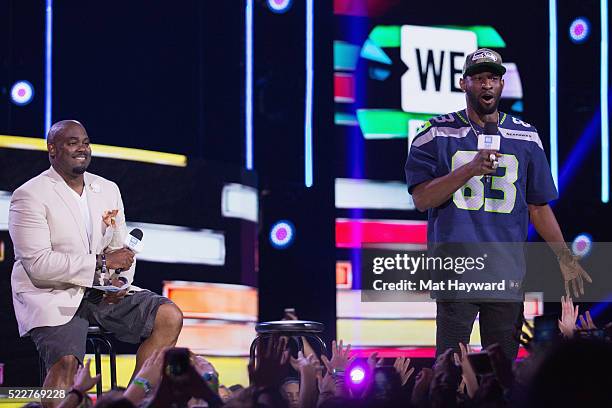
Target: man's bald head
{"x":59,"y":129}
{"x":68,"y":145}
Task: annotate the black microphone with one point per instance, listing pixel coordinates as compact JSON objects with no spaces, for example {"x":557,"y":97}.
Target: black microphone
{"x":490,"y":140}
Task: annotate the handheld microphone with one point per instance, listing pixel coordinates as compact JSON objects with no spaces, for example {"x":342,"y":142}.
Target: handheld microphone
{"x":490,"y":140}
{"x":133,"y":241}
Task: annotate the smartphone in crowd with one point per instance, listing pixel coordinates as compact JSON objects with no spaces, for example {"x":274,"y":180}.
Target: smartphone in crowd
{"x":480,"y":362}
{"x":546,"y":328}
{"x":177,"y":362}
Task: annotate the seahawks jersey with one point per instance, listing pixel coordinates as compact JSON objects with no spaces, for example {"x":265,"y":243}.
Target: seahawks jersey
{"x":481,"y":211}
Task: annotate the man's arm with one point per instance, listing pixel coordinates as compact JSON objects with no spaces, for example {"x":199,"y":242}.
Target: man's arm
{"x":31,"y":238}
{"x":435,"y":192}
{"x":545,"y":223}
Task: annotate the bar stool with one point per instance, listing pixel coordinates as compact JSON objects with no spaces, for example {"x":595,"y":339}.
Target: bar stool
{"x":295,"y":329}
{"x":97,"y":337}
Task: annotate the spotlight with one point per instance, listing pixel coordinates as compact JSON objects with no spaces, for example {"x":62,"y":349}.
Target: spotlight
{"x":579,"y":30}
{"x":582,"y":245}
{"x":357,"y":375}
{"x":282,"y":234}
{"x":22,"y":93}
{"x":279,"y":6}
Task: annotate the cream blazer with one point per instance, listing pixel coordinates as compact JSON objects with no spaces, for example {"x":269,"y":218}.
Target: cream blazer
{"x":54,"y":260}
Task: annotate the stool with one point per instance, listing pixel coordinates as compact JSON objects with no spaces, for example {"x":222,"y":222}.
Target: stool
{"x":295,"y":329}
{"x":97,"y":337}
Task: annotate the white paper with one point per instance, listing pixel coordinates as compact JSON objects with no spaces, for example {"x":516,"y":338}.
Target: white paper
{"x":111,"y":288}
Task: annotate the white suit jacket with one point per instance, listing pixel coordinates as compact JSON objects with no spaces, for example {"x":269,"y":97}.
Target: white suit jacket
{"x":54,"y":260}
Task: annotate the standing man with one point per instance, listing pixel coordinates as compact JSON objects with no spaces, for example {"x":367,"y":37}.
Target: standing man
{"x":58,"y":232}
{"x":445,"y":175}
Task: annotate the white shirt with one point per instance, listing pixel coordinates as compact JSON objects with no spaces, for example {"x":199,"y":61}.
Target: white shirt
{"x":84,"y":207}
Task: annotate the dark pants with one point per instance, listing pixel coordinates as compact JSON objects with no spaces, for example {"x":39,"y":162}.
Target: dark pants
{"x":500,"y":322}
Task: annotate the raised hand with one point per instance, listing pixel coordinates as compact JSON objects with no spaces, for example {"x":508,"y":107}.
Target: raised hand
{"x":306,"y":365}
{"x":265,"y":370}
{"x":402,"y":366}
{"x":587,"y":324}
{"x":340,"y":357}
{"x":202,"y":365}
{"x":374,"y":361}
{"x":467,"y":371}
{"x":83,"y":380}
{"x":151,"y":369}
{"x":569,"y":315}
{"x":326,"y":384}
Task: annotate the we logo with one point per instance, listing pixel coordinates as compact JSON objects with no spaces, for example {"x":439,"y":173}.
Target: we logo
{"x":434,"y":57}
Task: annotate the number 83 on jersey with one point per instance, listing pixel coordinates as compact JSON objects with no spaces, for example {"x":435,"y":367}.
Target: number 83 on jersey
{"x":471,"y":196}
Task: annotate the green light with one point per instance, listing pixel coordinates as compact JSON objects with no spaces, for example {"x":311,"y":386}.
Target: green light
{"x":386,"y":36}
{"x":390,"y":36}
{"x":487,"y":36}
{"x":387,"y":123}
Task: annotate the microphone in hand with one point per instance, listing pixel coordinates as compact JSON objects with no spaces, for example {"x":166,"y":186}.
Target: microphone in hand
{"x":490,"y":140}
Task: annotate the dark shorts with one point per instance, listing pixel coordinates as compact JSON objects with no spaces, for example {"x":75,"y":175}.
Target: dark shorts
{"x":131,"y":320}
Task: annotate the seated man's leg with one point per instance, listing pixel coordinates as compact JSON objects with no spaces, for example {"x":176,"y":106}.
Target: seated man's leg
{"x":62,"y":348}
{"x":141,"y":316}
{"x":166,"y":329}
{"x":454,"y":321}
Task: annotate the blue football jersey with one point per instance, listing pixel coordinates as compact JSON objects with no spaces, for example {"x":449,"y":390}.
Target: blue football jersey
{"x":482,"y":211}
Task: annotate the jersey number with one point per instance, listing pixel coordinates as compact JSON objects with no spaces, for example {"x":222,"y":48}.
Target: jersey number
{"x":471,"y":195}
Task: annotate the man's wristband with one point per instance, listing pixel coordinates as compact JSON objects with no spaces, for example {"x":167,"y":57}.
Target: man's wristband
{"x":78,"y":393}
{"x":143,"y":383}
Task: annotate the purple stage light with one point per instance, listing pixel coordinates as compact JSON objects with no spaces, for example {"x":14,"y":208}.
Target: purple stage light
{"x":579,"y":30}
{"x":357,"y":375}
{"x":582,"y":244}
{"x":22,"y":93}
{"x":279,"y":6}
{"x":282,"y":234}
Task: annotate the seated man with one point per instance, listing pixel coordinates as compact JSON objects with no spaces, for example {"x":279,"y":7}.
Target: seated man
{"x":60,"y":239}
